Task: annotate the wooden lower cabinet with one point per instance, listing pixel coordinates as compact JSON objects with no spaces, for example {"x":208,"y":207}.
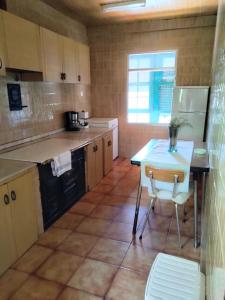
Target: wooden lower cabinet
{"x":7,"y":248}
{"x":108,"y":152}
{"x":18,"y":219}
{"x":94,"y":161}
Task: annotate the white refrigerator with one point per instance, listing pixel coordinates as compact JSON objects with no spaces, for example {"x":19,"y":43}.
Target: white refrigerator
{"x":190,"y":103}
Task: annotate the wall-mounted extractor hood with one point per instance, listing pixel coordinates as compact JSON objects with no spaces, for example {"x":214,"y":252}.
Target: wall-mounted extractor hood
{"x":123,"y":5}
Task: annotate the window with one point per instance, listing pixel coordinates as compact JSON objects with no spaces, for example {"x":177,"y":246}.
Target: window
{"x":151,"y":78}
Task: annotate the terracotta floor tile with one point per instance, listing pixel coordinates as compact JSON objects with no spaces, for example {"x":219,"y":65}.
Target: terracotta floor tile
{"x":73,"y":294}
{"x":122,"y":168}
{"x":172,"y":244}
{"x":37,"y":289}
{"x":152,"y":239}
{"x":188,"y":251}
{"x":109,"y":180}
{"x":159,"y":223}
{"x":117,"y":200}
{"x":127,"y":285}
{"x":53,"y":237}
{"x":109,"y":251}
{"x":82,"y":208}
{"x":139,"y":258}
{"x":105,"y":212}
{"x":186,"y":228}
{"x":93,"y":276}
{"x":59,"y":267}
{"x":93,"y":226}
{"x":122,"y":191}
{"x":68,"y":221}
{"x":126,"y":214}
{"x":32,"y":259}
{"x":116,"y":174}
{"x":78,"y":243}
{"x":10,"y":281}
{"x":103,"y":188}
{"x":92,"y":197}
{"x":119,"y":231}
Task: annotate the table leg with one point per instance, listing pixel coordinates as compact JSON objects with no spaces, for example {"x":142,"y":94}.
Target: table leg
{"x":203,"y":189}
{"x":195,"y":212}
{"x":137,"y":206}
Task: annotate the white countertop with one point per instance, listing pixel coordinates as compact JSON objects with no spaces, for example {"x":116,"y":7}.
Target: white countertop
{"x":10,"y":169}
{"x":40,"y":152}
{"x":44,"y":150}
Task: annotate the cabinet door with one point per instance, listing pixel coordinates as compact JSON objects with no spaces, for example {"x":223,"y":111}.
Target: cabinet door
{"x":7,"y":248}
{"x":70,"y":67}
{"x":22,"y":43}
{"x":108,"y":152}
{"x":23,"y":209}
{"x":91,"y":177}
{"x":99,"y":159}
{"x":52,"y":55}
{"x":84,"y":64}
{"x":2,"y":48}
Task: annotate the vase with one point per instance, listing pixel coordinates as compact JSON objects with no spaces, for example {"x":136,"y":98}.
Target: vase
{"x":173,"y":138}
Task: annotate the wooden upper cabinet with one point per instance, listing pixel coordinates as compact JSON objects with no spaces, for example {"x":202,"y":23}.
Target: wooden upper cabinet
{"x":22,"y":40}
{"x":2,"y":47}
{"x":52,"y":55}
{"x":84,"y":63}
{"x":7,"y":248}
{"x":70,"y":60}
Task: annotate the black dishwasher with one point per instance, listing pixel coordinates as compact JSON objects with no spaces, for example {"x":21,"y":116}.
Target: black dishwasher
{"x":58,"y":194}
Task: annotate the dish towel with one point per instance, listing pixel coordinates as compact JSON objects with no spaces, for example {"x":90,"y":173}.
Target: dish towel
{"x":61,"y":163}
{"x":159,"y":157}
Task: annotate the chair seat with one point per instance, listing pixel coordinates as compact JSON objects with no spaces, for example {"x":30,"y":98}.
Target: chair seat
{"x":173,"y":278}
{"x":180,"y":198}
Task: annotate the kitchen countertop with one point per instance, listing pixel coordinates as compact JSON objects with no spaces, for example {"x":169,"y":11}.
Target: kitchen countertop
{"x":10,"y":169}
{"x":86,"y":133}
{"x":44,"y":150}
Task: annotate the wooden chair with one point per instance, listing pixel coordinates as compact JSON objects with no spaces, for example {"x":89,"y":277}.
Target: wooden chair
{"x":168,"y":176}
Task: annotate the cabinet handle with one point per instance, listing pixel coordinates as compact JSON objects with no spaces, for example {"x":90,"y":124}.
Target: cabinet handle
{"x":109,"y":143}
{"x":96,"y":148}
{"x":79,"y":78}
{"x":6,"y":199}
{"x":1,"y":63}
{"x":64,"y":76}
{"x":13,"y":195}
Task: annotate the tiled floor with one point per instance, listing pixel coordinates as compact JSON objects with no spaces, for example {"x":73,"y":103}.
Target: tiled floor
{"x":90,"y":252}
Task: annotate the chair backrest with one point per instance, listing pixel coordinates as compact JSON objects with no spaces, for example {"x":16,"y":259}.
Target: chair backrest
{"x":164,"y":175}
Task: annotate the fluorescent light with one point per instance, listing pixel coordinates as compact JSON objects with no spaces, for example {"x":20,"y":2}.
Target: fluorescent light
{"x":123,"y":5}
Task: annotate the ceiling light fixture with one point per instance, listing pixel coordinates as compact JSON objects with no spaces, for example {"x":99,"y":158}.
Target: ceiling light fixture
{"x":123,"y":5}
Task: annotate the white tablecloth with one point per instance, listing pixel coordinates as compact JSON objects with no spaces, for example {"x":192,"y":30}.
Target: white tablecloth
{"x":160,"y":157}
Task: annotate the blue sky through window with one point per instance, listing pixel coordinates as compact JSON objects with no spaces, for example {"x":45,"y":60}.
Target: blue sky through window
{"x":151,"y":78}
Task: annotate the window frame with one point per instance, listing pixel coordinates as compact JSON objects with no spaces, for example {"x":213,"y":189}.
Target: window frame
{"x":147,"y":69}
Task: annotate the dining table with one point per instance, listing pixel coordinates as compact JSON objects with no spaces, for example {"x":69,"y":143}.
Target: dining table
{"x":199,"y":168}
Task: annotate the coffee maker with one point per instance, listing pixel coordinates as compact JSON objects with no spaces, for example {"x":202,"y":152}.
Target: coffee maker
{"x":71,"y":121}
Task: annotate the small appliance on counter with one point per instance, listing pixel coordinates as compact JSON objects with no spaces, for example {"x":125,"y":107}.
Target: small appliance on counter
{"x":83,"y":117}
{"x":72,"y":121}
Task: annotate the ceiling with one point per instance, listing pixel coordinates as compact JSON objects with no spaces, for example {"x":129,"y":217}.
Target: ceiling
{"x":89,"y":11}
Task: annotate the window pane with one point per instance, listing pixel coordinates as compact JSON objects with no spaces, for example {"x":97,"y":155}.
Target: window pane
{"x":152,"y":60}
{"x":150,"y":91}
